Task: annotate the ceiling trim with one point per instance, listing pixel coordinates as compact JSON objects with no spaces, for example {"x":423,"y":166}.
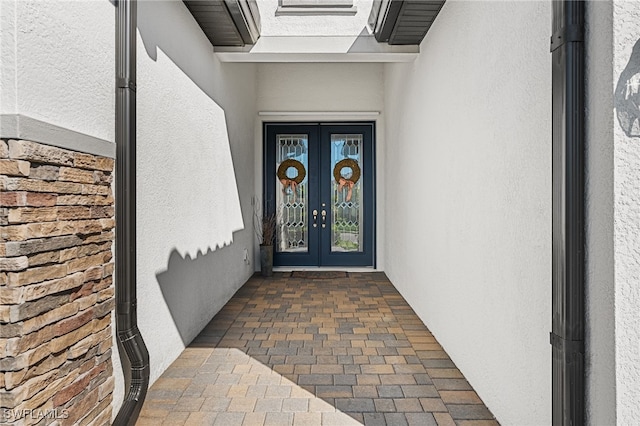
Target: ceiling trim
{"x":362,"y":48}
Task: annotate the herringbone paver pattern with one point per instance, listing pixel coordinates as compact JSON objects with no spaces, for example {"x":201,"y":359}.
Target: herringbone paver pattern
{"x":292,"y":351}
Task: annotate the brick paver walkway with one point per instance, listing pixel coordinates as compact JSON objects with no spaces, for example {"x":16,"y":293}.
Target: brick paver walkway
{"x":290,"y":351}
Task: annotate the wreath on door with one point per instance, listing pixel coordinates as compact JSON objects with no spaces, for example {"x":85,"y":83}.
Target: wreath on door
{"x":344,"y":182}
{"x":293,"y":182}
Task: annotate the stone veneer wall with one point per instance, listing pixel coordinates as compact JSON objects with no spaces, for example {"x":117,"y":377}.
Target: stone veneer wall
{"x":56,"y":285}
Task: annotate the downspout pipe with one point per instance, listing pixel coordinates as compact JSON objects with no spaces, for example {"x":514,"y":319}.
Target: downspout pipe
{"x":133,"y":352}
{"x":568,"y":289}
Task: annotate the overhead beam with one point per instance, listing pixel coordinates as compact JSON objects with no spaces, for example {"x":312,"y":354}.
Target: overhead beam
{"x":227,"y":22}
{"x":403,"y":22}
{"x":318,"y":49}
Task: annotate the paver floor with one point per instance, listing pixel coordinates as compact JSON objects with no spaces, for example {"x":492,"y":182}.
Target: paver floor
{"x":295,"y":351}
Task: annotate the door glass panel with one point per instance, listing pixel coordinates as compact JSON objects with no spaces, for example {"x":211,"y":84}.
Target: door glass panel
{"x":291,"y":193}
{"x":346,"y":193}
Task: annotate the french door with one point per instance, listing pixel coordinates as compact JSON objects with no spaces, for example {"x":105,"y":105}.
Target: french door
{"x":319,"y":181}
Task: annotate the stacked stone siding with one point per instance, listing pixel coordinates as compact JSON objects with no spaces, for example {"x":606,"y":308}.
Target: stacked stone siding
{"x":56,"y":285}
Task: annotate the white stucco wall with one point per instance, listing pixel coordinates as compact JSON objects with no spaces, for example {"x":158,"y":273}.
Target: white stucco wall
{"x":320,"y":87}
{"x":57,"y":63}
{"x":599,"y":279}
{"x":626,"y":163}
{"x":325,"y":88}
{"x":195,"y":147}
{"x":8,"y":35}
{"x":468,"y":166}
{"x":195,"y":179}
{"x":613,"y":218}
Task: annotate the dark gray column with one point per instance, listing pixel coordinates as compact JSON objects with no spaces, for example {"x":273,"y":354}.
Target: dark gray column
{"x":567,"y":337}
{"x":133,"y":352}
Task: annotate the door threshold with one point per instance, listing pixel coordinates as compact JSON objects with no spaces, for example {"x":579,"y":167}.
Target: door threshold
{"x":326,"y":268}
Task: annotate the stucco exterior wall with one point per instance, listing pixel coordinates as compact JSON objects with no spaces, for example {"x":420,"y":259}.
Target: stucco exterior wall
{"x":195,"y":179}
{"x":57,"y":63}
{"x":626,"y":165}
{"x":600,"y":310}
{"x":320,"y":87}
{"x":195,"y":147}
{"x":468,"y":166}
{"x":325,"y":88}
{"x":613,"y":214}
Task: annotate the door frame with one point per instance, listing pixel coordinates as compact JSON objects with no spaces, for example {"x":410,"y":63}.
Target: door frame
{"x":320,"y":124}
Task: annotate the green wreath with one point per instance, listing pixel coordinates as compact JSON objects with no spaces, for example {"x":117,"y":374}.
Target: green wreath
{"x":347,"y":162}
{"x":284,"y":166}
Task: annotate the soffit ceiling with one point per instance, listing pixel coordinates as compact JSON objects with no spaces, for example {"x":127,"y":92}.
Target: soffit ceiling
{"x":237,"y":22}
{"x":403,"y":22}
{"x":227,"y":22}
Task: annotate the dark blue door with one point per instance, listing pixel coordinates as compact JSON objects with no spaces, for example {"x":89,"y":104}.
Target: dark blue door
{"x":319,"y":180}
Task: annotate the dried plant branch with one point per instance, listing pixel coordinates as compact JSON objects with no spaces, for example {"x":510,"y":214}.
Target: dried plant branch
{"x":269,"y":223}
{"x":265,"y":225}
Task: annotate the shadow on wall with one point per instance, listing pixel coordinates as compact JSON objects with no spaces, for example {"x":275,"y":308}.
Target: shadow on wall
{"x":627,"y":95}
{"x":170,"y":27}
{"x":197,"y":286}
{"x":159,"y":27}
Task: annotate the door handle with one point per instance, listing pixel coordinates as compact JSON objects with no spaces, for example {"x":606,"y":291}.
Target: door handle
{"x":324,"y":218}
{"x":315,"y":218}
